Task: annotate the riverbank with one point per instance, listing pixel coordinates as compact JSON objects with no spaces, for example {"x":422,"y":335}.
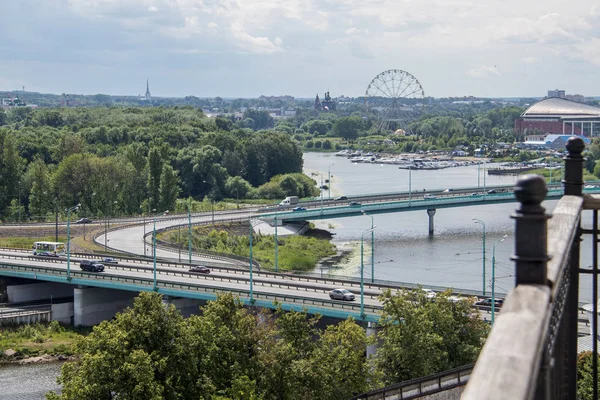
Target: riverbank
{"x":38,"y":343}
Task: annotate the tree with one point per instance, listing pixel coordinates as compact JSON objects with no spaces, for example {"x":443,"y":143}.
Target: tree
{"x":237,"y":187}
{"x":585,"y":376}
{"x":169,"y":188}
{"x":142,"y":354}
{"x":347,"y":127}
{"x":421,"y":337}
{"x":155,"y":168}
{"x":38,"y":179}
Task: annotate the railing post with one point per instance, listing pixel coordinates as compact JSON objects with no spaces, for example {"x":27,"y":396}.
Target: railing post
{"x":573,"y":186}
{"x":531,"y":237}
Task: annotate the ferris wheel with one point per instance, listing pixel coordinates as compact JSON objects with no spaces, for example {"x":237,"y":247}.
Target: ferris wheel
{"x":394,"y":98}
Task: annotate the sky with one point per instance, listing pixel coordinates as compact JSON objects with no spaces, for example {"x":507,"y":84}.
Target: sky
{"x":248,"y":48}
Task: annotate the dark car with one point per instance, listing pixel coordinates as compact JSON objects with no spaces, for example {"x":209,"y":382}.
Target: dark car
{"x":488,"y":302}
{"x":354,"y":204}
{"x":299,"y":209}
{"x":109,"y":260}
{"x":91,"y":266}
{"x":341,"y":198}
{"x":83,"y":221}
{"x":200,"y":269}
{"x":45,"y":254}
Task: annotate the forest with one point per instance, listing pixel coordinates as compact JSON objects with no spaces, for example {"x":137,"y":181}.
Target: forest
{"x":125,"y":161}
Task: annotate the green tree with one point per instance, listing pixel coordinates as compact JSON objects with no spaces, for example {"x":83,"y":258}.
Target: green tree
{"x":237,"y":187}
{"x":142,"y":354}
{"x":169,"y":188}
{"x":155,"y":168}
{"x":421,"y":337}
{"x":38,"y":178}
{"x":585,"y":375}
{"x":347,"y":127}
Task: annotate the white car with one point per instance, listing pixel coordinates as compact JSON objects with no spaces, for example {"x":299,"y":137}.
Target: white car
{"x":429,"y":196}
{"x":341,"y":294}
{"x":430,"y":294}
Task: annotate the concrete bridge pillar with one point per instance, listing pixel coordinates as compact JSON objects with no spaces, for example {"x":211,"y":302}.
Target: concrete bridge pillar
{"x":186,"y":306}
{"x":94,"y":305}
{"x":431,"y":213}
{"x":372,"y":329}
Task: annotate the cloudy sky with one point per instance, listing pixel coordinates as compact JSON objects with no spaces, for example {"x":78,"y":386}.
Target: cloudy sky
{"x":245,"y":48}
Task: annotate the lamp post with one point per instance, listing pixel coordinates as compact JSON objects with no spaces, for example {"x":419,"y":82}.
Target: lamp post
{"x":189,"y":232}
{"x":494,"y":275}
{"x":362,"y":284}
{"x":251,"y":264}
{"x":478,"y":221}
{"x":409,"y":184}
{"x":155,"y":287}
{"x":276,"y":248}
{"x":372,"y":246}
{"x":321,"y":190}
{"x":69,"y":239}
{"x":329,"y":179}
{"x":107,"y":226}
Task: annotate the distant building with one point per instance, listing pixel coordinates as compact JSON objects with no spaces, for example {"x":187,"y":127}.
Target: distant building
{"x":328,"y":104}
{"x":148,"y":95}
{"x":557,"y":115}
{"x":556,"y":93}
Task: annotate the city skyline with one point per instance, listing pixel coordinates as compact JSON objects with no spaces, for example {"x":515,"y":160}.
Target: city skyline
{"x":241,"y":48}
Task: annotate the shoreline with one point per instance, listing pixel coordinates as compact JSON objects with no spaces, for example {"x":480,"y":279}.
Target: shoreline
{"x":9,"y":358}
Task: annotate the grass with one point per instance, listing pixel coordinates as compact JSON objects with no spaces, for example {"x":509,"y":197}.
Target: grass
{"x":22,"y":242}
{"x":295,"y":253}
{"x":39,"y":339}
{"x":557,"y":175}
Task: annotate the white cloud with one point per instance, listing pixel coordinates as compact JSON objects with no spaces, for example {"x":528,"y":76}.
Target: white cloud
{"x":484,"y":71}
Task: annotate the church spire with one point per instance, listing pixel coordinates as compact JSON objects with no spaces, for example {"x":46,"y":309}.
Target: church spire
{"x":148,"y":95}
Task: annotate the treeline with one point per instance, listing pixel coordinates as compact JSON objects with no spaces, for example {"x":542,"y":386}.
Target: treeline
{"x":131,"y":160}
{"x":227,"y":352}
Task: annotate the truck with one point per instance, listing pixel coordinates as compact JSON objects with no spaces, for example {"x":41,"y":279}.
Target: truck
{"x":289,"y":201}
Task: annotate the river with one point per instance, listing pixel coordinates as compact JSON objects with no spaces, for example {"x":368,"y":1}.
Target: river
{"x":28,"y":382}
{"x":404,"y":252}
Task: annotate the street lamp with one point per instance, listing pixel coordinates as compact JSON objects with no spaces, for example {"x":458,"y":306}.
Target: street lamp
{"x":409,"y":184}
{"x":362,"y":284}
{"x":494,"y":274}
{"x":155,"y":288}
{"x":69,"y":239}
{"x":276,"y":248}
{"x":251,"y":263}
{"x":329,"y":179}
{"x":107,"y":226}
{"x":372,"y":246}
{"x":478,"y":221}
{"x":189,"y":232}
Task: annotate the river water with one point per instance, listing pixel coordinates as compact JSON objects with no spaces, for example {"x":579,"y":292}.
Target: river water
{"x":28,"y":382}
{"x":404,"y":252}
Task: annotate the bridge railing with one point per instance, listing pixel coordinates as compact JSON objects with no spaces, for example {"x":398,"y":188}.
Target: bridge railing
{"x":531,"y":352}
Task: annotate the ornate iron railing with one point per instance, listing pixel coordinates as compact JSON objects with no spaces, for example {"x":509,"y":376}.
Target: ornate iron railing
{"x":531,"y":352}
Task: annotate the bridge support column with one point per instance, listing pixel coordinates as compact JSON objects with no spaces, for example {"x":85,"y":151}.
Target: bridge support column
{"x":186,"y":306}
{"x":431,"y":213}
{"x":372,"y":329}
{"x":94,"y":305}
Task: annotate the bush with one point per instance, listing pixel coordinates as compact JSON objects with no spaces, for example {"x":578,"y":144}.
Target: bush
{"x":309,"y":144}
{"x":318,"y":144}
{"x":327,"y":144}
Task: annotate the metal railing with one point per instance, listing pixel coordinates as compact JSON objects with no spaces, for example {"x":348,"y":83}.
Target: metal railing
{"x":425,"y":386}
{"x":531,"y":352}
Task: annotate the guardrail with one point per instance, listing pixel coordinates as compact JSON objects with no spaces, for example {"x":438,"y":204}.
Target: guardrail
{"x":188,"y":289}
{"x":425,"y":386}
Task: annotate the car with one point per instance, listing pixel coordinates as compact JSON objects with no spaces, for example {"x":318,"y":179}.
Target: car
{"x":91,"y":266}
{"x":341,"y":294}
{"x":589,"y":186}
{"x":341,"y":198}
{"x":83,"y":221}
{"x":429,"y":196}
{"x":354,"y":204}
{"x":474,"y":194}
{"x":492,"y":191}
{"x":488,"y":302}
{"x":448,"y":190}
{"x":109,"y":260}
{"x":430,"y":294}
{"x":200,"y":269}
{"x":45,"y":254}
{"x":299,"y":209}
